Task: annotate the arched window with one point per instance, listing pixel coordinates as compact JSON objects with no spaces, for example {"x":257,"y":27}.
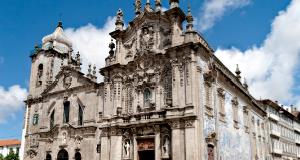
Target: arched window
{"x":40,"y":74}
{"x":66,"y":111}
{"x":147,"y":95}
{"x":77,"y":156}
{"x":80,"y":115}
{"x":62,"y":155}
{"x":48,"y":157}
{"x":52,"y":119}
{"x":35,"y":119}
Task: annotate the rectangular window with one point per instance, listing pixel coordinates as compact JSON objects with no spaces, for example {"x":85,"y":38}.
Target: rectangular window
{"x":208,"y":99}
{"x":80,"y":115}
{"x":221,"y":95}
{"x":52,"y":119}
{"x":66,"y":111}
{"x":35,"y":119}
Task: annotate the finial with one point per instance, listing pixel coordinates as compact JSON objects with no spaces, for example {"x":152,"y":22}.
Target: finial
{"x":138,"y":7}
{"x":189,"y":19}
{"x":62,"y":63}
{"x":119,"y":21}
{"x":94,"y":71}
{"x":174,"y":3}
{"x":60,"y":24}
{"x":157,"y":5}
{"x":148,"y":6}
{"x":89,"y":70}
{"x":111,"y":46}
{"x":238,"y":72}
{"x":245,"y":84}
{"x":70,"y":56}
{"x":78,"y":61}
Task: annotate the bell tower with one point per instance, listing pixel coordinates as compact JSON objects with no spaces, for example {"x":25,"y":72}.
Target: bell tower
{"x":47,"y":59}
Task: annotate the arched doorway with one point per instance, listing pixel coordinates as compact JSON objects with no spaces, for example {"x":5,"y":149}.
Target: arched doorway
{"x":77,"y":156}
{"x":63,"y":155}
{"x":48,"y":157}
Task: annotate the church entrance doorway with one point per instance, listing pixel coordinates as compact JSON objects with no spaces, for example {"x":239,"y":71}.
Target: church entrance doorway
{"x":147,"y":155}
{"x":146,"y":149}
{"x":62,"y":155}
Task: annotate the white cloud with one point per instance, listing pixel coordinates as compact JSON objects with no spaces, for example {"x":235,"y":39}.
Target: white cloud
{"x":213,"y":10}
{"x":92,"y":43}
{"x":11,"y":101}
{"x":270,"y":67}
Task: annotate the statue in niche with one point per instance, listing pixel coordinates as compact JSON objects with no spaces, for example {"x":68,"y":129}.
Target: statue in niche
{"x":127,"y":148}
{"x":166,"y":145}
{"x":147,"y":38}
{"x":64,"y":138}
{"x":67,"y":80}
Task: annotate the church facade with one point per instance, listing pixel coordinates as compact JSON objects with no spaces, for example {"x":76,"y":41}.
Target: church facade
{"x":165,"y":96}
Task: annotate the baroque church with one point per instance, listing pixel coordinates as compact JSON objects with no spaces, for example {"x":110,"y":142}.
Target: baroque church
{"x":165,"y":96}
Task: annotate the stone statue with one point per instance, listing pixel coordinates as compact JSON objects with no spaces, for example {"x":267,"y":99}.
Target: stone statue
{"x":64,"y":138}
{"x":147,"y":38}
{"x":138,"y":7}
{"x":127,"y":148}
{"x":166,"y":149}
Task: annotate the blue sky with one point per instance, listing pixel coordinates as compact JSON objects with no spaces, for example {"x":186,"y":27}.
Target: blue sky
{"x":239,"y":31}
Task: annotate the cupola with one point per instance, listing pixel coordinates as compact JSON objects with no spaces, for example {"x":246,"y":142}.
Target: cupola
{"x":57,"y":40}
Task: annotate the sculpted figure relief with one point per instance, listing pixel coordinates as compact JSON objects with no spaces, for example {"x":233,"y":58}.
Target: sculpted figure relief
{"x":127,"y":149}
{"x":67,"y":80}
{"x":146,"y":39}
{"x":166,"y":149}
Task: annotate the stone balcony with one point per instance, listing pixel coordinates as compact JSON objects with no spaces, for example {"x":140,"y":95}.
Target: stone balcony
{"x":275,"y":132}
{"x":277,"y":150}
{"x":296,"y":127}
{"x":297,"y":140}
{"x":273,"y":116}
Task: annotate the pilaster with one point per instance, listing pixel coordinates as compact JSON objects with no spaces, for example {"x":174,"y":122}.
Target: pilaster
{"x":190,"y":140}
{"x":115,"y":144}
{"x":177,"y":146}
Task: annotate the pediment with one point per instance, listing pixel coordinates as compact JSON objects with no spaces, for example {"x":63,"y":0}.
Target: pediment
{"x":68,"y":78}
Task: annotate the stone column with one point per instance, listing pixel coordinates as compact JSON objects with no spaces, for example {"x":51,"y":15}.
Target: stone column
{"x":176,"y":145}
{"x":190,"y":140}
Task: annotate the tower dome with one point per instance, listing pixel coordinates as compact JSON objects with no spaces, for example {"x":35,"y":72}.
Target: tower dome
{"x":57,"y":40}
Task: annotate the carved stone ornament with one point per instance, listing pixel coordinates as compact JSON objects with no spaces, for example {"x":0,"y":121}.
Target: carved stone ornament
{"x":115,"y":131}
{"x":210,"y":72}
{"x":146,"y":39}
{"x":104,"y":132}
{"x":211,"y":139}
{"x":235,"y":102}
{"x":189,"y":123}
{"x":31,"y":153}
{"x":175,"y":124}
{"x":78,"y":140}
{"x":67,"y":79}
{"x":221,"y":92}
